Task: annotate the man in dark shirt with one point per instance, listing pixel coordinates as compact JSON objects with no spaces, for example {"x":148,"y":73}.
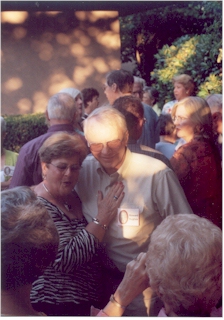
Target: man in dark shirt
{"x":119,"y":83}
{"x":132,"y":109}
{"x":61,"y":115}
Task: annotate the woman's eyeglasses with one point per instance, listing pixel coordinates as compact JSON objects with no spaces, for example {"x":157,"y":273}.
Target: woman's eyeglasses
{"x":63,"y":167}
{"x":179,"y":118}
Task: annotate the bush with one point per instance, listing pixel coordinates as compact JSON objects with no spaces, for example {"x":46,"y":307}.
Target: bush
{"x":199,"y":56}
{"x":23,"y":128}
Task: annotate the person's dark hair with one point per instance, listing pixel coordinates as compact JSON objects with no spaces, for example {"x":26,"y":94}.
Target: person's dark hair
{"x":131,"y":107}
{"x":153,"y":93}
{"x":165,"y":125}
{"x":62,"y":144}
{"x":29,"y":238}
{"x":88,"y":94}
{"x":122,"y":78}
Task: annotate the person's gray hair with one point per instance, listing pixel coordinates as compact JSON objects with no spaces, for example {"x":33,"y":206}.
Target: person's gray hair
{"x":184,"y":264}
{"x":29,"y":238}
{"x":71,"y":91}
{"x":3,"y":125}
{"x":215,"y":102}
{"x":106,"y":115}
{"x":61,"y":106}
{"x":140,"y":80}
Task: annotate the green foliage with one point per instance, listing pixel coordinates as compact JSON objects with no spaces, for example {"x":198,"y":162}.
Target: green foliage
{"x":147,"y":32}
{"x":23,"y":128}
{"x":199,"y":56}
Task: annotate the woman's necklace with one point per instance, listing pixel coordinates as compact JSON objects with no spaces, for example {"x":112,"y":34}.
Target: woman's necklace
{"x":65,"y":204}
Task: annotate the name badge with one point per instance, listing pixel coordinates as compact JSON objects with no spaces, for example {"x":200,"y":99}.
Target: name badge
{"x":9,"y":170}
{"x":128,"y":217}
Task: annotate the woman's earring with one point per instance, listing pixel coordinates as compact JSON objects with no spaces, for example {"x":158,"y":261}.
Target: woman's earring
{"x":44,"y":176}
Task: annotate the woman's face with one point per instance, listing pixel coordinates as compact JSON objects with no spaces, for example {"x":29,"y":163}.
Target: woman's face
{"x":184,"y":125}
{"x":148,"y":99}
{"x":180,"y":92}
{"x":61,"y":174}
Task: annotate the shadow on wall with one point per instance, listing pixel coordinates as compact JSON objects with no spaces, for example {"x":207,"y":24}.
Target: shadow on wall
{"x":43,"y":52}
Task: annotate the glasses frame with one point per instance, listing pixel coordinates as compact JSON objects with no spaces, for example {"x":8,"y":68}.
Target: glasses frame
{"x":72,"y":170}
{"x":108,"y":146}
{"x":179,"y":119}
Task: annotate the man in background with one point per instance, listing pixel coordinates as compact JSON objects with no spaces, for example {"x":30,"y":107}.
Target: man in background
{"x":91,"y":101}
{"x":119,"y":83}
{"x":61,"y":115}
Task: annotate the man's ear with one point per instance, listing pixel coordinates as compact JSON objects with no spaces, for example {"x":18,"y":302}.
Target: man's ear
{"x":126,"y":137}
{"x":114,"y":87}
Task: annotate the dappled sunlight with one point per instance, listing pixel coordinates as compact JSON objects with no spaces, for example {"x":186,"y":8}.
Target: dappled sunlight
{"x":92,"y":31}
{"x":19,"y":33}
{"x":81,"y":36}
{"x":115,"y":26}
{"x":40,"y":101}
{"x":77,"y":50}
{"x":114,"y":63}
{"x":52,"y":51}
{"x":108,"y":39}
{"x":14,"y":17}
{"x":24,"y":105}
{"x":63,"y":39}
{"x":12,"y":84}
{"x":93,"y":16}
{"x":59,"y":81}
{"x":100,"y":65}
{"x":47,"y":36}
{"x":46,"y":51}
{"x":80,"y":74}
{"x":48,"y":13}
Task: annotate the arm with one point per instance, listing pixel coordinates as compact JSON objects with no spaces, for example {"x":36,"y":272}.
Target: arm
{"x":169,"y":195}
{"x":180,"y":163}
{"x":135,"y":281}
{"x":78,"y":244}
{"x":22,"y":175}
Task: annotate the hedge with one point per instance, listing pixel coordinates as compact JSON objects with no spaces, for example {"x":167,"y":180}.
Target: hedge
{"x":23,"y":128}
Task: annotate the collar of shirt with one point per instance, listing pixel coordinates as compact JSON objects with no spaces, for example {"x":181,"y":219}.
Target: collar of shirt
{"x":118,"y":175}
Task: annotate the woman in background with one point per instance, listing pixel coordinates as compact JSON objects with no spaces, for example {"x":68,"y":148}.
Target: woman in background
{"x":197,"y":163}
{"x":183,"y":87}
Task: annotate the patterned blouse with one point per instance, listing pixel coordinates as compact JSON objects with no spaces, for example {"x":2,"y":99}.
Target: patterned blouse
{"x":75,"y":275}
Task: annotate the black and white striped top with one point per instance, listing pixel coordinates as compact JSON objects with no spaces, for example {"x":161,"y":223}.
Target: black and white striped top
{"x":76,"y":274}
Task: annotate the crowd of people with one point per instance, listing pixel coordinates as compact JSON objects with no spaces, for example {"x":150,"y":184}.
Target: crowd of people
{"x":117,"y":209}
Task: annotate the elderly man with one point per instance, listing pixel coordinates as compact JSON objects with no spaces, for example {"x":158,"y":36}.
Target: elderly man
{"x":152,"y":192}
{"x":61,"y":115}
{"x":119,"y":83}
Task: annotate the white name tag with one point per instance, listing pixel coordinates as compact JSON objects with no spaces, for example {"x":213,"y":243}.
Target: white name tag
{"x":9,"y":170}
{"x":128,"y":217}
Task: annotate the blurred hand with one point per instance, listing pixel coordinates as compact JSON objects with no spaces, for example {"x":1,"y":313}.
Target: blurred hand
{"x":107,"y":207}
{"x":135,"y":281}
